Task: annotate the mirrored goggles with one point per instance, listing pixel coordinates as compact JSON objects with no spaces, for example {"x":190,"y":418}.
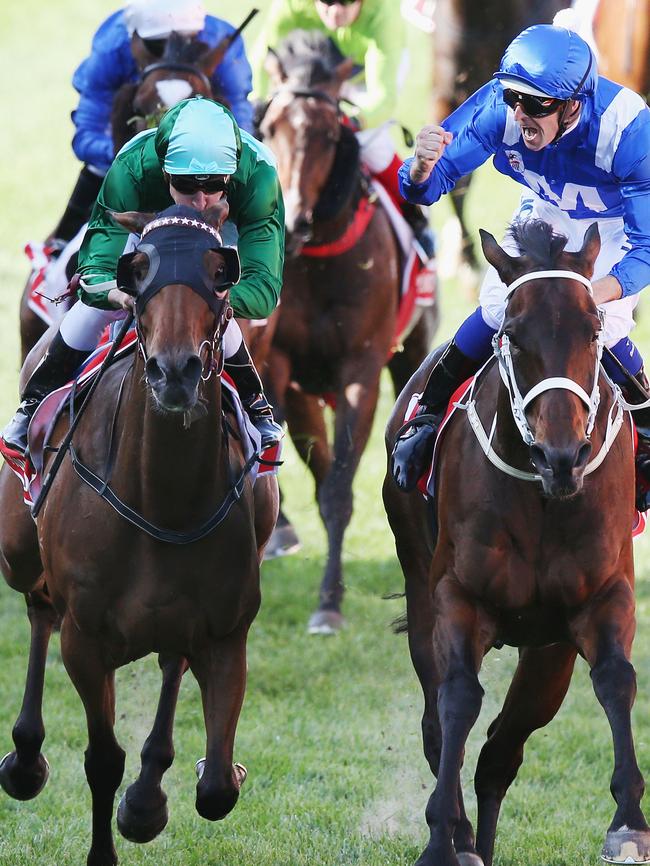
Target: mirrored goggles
{"x":338,"y":2}
{"x":533,"y":106}
{"x":191,"y":183}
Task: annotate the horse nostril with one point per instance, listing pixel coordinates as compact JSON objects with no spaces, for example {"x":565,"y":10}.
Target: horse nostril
{"x":539,"y":458}
{"x":155,"y":374}
{"x":584,"y":452}
{"x":191,"y":371}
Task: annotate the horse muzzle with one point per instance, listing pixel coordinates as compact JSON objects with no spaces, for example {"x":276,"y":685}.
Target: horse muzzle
{"x":174,"y":380}
{"x":561,"y":469}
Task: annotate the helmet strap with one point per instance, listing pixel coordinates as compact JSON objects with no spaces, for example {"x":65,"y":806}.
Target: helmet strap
{"x":562,"y":123}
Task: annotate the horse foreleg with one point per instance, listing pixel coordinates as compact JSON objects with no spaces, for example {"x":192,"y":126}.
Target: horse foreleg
{"x":459,"y":644}
{"x":355,"y":410}
{"x":104,"y":759}
{"x":24,"y":772}
{"x":604,"y":633}
{"x":535,"y":695}
{"x":142,"y":812}
{"x":221,"y":673}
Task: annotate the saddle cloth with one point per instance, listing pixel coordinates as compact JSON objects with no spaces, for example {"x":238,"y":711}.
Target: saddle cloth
{"x":427,"y":483}
{"x":29,"y":470}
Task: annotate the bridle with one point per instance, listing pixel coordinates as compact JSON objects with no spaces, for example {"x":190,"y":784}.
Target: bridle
{"x":176,"y":66}
{"x":518,"y":403}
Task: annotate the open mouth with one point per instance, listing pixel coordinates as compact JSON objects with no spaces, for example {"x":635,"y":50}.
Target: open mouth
{"x":529,"y":133}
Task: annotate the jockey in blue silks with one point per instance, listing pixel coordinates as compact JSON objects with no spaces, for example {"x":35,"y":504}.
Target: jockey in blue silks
{"x":580,"y":145}
{"x":147,"y":23}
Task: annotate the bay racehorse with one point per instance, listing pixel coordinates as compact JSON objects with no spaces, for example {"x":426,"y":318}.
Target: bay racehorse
{"x":465,"y":57}
{"x":184,"y":70}
{"x":336,"y":323}
{"x":527,"y":543}
{"x":166,"y":558}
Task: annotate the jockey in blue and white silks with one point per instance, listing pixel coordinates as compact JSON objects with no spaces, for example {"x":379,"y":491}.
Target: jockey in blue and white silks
{"x":112,"y":64}
{"x":580,"y":145}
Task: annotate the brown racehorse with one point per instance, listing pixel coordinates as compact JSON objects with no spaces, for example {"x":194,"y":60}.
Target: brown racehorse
{"x":465,"y":57}
{"x":532,"y":559}
{"x":336,"y":320}
{"x":186,"y":62}
{"x":622,"y":34}
{"x":172,"y":568}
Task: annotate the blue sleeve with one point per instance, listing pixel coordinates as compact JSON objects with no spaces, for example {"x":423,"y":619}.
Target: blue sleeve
{"x":478,"y":127}
{"x":233,"y":76}
{"x":632,"y":165}
{"x":97,"y":79}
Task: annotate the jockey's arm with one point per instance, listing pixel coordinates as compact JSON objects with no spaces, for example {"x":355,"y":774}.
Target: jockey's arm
{"x":464,"y":141}
{"x":631,"y":166}
{"x":260,"y":223}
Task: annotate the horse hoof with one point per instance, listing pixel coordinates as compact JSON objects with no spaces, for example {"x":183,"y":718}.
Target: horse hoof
{"x":627,"y":846}
{"x":139,"y":825}
{"x":240,"y":771}
{"x":326,"y":622}
{"x":22,"y":784}
{"x":283,"y":542}
{"x":467,"y":859}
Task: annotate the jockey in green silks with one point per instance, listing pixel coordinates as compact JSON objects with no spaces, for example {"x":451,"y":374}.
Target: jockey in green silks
{"x":373,"y":34}
{"x":195,"y":157}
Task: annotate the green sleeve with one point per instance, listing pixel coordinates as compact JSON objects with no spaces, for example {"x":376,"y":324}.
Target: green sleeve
{"x":104,"y":240}
{"x":385,"y":34}
{"x":260,"y":223}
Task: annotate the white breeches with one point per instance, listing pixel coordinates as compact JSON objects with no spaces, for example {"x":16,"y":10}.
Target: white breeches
{"x":377,"y":147}
{"x":619,"y":320}
{"x":82,"y":327}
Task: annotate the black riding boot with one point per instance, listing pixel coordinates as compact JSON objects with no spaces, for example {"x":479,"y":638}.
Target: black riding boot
{"x":242,"y":371}
{"x":83,"y":197}
{"x":57,"y":367}
{"x":642,"y":461}
{"x":414,"y":446}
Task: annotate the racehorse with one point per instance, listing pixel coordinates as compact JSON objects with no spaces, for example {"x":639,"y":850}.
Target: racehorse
{"x":337,"y":320}
{"x":465,"y":58}
{"x":184,"y":70}
{"x":532,"y":559}
{"x":622,"y":34}
{"x":171,"y":565}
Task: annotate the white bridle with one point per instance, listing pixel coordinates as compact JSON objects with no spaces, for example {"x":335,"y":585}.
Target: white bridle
{"x":501,"y":344}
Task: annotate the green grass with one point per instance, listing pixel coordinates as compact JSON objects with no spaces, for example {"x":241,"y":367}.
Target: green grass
{"x":330,"y":728}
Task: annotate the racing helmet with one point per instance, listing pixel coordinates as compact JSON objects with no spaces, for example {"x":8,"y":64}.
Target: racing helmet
{"x":549,"y":61}
{"x":198,"y":137}
{"x":156,"y":19}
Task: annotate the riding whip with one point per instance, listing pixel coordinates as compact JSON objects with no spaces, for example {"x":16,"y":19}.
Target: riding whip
{"x":632,"y":380}
{"x":65,"y":443}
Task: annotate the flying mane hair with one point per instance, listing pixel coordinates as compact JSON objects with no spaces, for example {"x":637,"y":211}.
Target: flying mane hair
{"x":537,"y":240}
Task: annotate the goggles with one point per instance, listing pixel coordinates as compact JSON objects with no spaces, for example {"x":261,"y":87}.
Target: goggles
{"x":533,"y":106}
{"x":191,"y":183}
{"x":337,"y":2}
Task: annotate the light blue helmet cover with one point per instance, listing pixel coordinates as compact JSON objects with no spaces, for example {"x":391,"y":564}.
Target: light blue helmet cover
{"x":202,"y":140}
{"x":553,"y":60}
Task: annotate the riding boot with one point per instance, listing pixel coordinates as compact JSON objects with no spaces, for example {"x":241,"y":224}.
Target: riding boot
{"x":242,"y":371}
{"x":83,"y":197}
{"x":641,"y":419}
{"x":57,"y":367}
{"x":414,"y":445}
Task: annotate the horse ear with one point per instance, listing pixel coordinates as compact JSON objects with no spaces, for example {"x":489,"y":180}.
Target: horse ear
{"x":141,"y":54}
{"x":274,"y":68}
{"x":583,"y":261}
{"x":505,"y":264}
{"x":345,"y":70}
{"x":216,"y":214}
{"x":132,"y":220}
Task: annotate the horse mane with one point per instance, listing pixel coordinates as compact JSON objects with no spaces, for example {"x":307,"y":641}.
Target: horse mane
{"x":309,"y":57}
{"x":537,"y":240}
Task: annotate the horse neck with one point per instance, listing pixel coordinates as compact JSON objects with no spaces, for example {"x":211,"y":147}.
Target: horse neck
{"x":181,"y":471}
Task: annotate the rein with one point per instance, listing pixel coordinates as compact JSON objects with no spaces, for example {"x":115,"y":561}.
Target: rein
{"x":176,"y":66}
{"x":518,"y":404}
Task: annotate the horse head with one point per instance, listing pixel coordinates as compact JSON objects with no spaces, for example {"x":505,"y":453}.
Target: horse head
{"x":179,"y":275}
{"x":301,"y":123}
{"x":183,"y":70}
{"x":549,"y":348}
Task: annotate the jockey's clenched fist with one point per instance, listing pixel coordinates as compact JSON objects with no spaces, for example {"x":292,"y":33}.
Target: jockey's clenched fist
{"x":430,"y":145}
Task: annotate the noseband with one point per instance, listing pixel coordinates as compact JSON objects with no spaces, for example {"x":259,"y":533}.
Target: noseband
{"x":501,"y":345}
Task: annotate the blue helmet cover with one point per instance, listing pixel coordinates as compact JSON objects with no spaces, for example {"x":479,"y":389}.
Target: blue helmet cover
{"x":552,"y":59}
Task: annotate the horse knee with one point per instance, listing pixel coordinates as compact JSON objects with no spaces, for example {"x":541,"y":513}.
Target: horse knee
{"x":460,"y":697}
{"x":614,"y":680}
{"x":104,"y":766}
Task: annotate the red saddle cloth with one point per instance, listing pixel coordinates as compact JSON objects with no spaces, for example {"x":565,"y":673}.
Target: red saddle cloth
{"x":29,"y":469}
{"x":426,"y":484}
